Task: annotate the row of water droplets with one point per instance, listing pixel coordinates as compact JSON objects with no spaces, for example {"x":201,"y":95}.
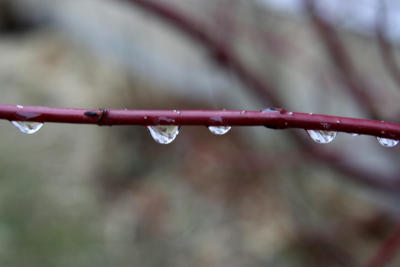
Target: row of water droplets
{"x":165,"y":134}
{"x":325,"y":137}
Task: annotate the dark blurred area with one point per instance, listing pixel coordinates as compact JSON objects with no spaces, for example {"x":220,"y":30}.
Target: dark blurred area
{"x":81,"y":195}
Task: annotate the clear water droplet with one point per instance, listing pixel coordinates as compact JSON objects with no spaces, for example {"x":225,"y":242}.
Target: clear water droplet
{"x":27,"y":127}
{"x":386,"y":142}
{"x":321,"y":136}
{"x":164,"y":134}
{"x":219,"y":130}
{"x":354,"y":134}
{"x":19,"y":106}
{"x":271,"y":110}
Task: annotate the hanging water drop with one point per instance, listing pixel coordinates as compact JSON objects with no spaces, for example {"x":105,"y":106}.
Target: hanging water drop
{"x":219,"y":130}
{"x":386,"y":142}
{"x":27,"y":127}
{"x":321,"y":136}
{"x":164,"y":134}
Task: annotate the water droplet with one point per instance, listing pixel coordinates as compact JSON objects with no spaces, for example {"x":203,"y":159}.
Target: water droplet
{"x":321,"y":136}
{"x":354,"y":134}
{"x":19,"y":106}
{"x":386,"y":142}
{"x":176,"y":111}
{"x":271,"y":110}
{"x":243,"y":112}
{"x":290,"y":113}
{"x":164,"y":134}
{"x":27,"y":127}
{"x":219,"y":130}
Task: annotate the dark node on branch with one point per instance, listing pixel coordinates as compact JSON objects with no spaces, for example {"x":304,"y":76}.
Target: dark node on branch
{"x":91,"y":113}
{"x":278,"y":125}
{"x":102,"y":115}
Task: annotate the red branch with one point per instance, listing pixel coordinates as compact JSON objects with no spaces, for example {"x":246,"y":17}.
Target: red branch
{"x":272,"y":118}
{"x":261,"y":88}
{"x":387,"y":251}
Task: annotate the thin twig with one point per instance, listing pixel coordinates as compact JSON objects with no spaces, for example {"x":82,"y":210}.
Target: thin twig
{"x":271,"y":118}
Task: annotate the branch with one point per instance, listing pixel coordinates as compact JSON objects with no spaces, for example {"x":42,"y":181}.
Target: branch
{"x":387,"y":251}
{"x":260,"y":88}
{"x":271,"y":118}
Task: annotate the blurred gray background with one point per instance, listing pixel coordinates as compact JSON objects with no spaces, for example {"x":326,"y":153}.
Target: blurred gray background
{"x":81,"y":195}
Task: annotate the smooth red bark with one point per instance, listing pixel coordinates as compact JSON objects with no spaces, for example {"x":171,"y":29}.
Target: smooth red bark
{"x":274,"y":118}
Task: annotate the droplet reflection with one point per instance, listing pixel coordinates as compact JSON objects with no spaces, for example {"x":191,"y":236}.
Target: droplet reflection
{"x":322,"y":136}
{"x":164,"y":134}
{"x":219,"y":130}
{"x":386,"y":142}
{"x":27,"y":127}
